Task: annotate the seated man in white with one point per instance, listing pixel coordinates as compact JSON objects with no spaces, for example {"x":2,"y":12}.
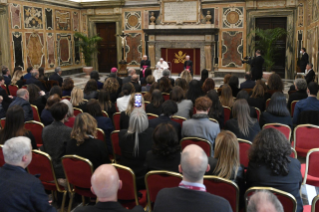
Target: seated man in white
{"x":160,"y":67}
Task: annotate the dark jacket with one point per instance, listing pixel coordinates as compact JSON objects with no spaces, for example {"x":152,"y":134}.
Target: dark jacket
{"x":33,"y":80}
{"x":92,"y":149}
{"x":109,"y":207}
{"x":310,"y":76}
{"x":66,"y":92}
{"x":6,"y":100}
{"x":182,"y":200}
{"x":219,"y":118}
{"x":27,"y":134}
{"x":153,"y":123}
{"x":261,"y":175}
{"x":46,"y":117}
{"x":232,"y":125}
{"x":247,"y":84}
{"x":303,"y":62}
{"x":91,"y":95}
{"x":124,"y":120}
{"x":257,"y":68}
{"x":298,"y":95}
{"x":190,"y":64}
{"x":28,"y":113}
{"x":57,"y":78}
{"x":126,"y":80}
{"x":310,"y":103}
{"x":7,"y":80}
{"x":145,"y":63}
{"x":99,"y":85}
{"x":40,"y":103}
{"x":21,"y":191}
{"x":83,"y":107}
{"x":260,"y":103}
{"x":267,"y":118}
{"x":136,"y":163}
{"x":27,"y":76}
{"x":107,"y":126}
{"x":55,"y":137}
{"x":155,"y":110}
{"x":137,"y":86}
{"x":156,"y":162}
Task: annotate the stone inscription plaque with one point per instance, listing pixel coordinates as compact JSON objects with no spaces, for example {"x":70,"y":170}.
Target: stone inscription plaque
{"x":180,"y":11}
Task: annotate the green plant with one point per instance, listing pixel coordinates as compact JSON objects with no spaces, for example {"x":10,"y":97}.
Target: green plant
{"x":87,"y":45}
{"x":266,"y":42}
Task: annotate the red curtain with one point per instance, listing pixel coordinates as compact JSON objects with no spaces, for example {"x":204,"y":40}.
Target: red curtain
{"x":176,"y":58}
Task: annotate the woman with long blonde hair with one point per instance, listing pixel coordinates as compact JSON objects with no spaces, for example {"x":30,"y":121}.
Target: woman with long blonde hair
{"x":112,"y":86}
{"x":226,"y":97}
{"x":186,"y":75}
{"x":125,"y":115}
{"x":77,"y":99}
{"x":17,"y":77}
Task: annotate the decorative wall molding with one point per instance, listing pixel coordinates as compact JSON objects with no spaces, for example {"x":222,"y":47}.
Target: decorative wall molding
{"x":17,"y":44}
{"x":15,"y":15}
{"x":51,"y":49}
{"x":232,"y":49}
{"x":33,"y":17}
{"x":49,"y":18}
{"x":133,"y":20}
{"x":35,"y":49}
{"x":64,"y":49}
{"x":233,"y":17}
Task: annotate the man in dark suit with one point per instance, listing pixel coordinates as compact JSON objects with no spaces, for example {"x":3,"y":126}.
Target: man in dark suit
{"x":188,"y":64}
{"x":301,"y":91}
{"x":191,"y":194}
{"x":105,"y":185}
{"x":169,"y":108}
{"x":34,"y":79}
{"x":131,"y":72}
{"x":6,"y":99}
{"x":19,"y":190}
{"x":6,"y":75}
{"x":304,"y":60}
{"x":310,"y":103}
{"x":256,"y":65}
{"x":22,"y":100}
{"x":28,"y":74}
{"x":56,"y":76}
{"x":166,"y":73}
{"x":248,"y":83}
{"x":310,"y":74}
{"x":134,"y":81}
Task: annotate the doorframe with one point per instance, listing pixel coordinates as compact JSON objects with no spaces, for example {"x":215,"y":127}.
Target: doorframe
{"x":93,"y":20}
{"x":291,"y":15}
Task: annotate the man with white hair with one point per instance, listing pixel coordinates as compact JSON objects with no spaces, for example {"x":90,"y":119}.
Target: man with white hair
{"x":131,"y":72}
{"x":188,"y":64}
{"x":19,"y":190}
{"x":105,"y":185}
{"x":34,"y":79}
{"x":160,"y":67}
{"x":56,"y":76}
{"x":191,"y":194}
{"x":264,"y":201}
{"x":22,"y":100}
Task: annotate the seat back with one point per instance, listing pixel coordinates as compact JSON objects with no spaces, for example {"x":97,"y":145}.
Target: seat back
{"x":3,"y":122}
{"x":104,"y":113}
{"x":116,"y":120}
{"x":166,"y":96}
{"x":293,"y":153}
{"x":178,"y":119}
{"x":306,"y":137}
{"x":4,"y":87}
{"x":116,"y":143}
{"x":287,"y":200}
{"x":13,"y":90}
{"x":157,"y":180}
{"x":284,"y":129}
{"x":244,"y":147}
{"x":315,"y":204}
{"x":227,"y":112}
{"x":66,"y":97}
{"x":267,"y":102}
{"x":223,"y":188}
{"x":2,"y":162}
{"x":35,"y":128}
{"x":203,"y":143}
{"x":258,"y":112}
{"x":77,"y":111}
{"x":151,"y":116}
{"x":292,"y":107}
{"x":36,"y":116}
{"x":312,"y":161}
{"x":100,"y":134}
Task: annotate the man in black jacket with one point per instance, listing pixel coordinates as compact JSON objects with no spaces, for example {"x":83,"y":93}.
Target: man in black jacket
{"x":191,"y":194}
{"x":248,"y":83}
{"x":310,"y":74}
{"x":301,"y":91}
{"x":22,"y":100}
{"x":34,"y":79}
{"x":188,"y":64}
{"x":304,"y":60}
{"x":6,"y":99}
{"x":19,"y":190}
{"x":105,"y":185}
{"x":257,"y":66}
{"x":145,"y":63}
{"x":56,"y":76}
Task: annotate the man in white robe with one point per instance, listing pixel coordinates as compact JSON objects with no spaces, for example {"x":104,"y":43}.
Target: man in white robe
{"x":160,"y":67}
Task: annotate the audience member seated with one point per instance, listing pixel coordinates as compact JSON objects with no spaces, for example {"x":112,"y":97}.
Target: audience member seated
{"x":244,"y":95}
{"x":6,"y":75}
{"x":276,"y":112}
{"x":257,"y":98}
{"x":28,"y":74}
{"x":274,"y":84}
{"x":17,"y":77}
{"x":77,"y":99}
{"x":95,"y":75}
{"x":46,"y":116}
{"x":34,"y":79}
{"x":14,"y":126}
{"x":310,"y":74}
{"x":130,"y":73}
{"x":208,"y":85}
{"x":165,"y":85}
{"x":301,"y":92}
{"x":204,"y":76}
{"x":155,"y":106}
{"x":22,"y":100}
{"x":166,"y":150}
{"x":242,"y":125}
{"x":311,"y":103}
{"x":112,"y":86}
{"x":271,"y":166}
{"x":148,"y":95}
{"x":6,"y":99}
{"x":55,"y":137}
{"x":234,"y":83}
{"x":90,"y":90}
{"x":226,"y":98}
{"x":169,"y":108}
{"x":185,"y":106}
{"x":216,"y":111}
{"x":191,"y":194}
{"x":105,"y":103}
{"x":103,"y":123}
{"x":84,"y":143}
{"x":166,"y":73}
{"x":70,"y":118}
{"x":182,"y":83}
{"x":194,"y":91}
{"x":113,"y":74}
{"x":37,"y":97}
{"x":199,"y":125}
{"x":263,"y":201}
{"x":149,"y":81}
{"x":135,"y":83}
{"x":41,"y":74}
{"x":67,"y":86}
{"x":186,"y":75}
{"x":56,"y":89}
{"x":292,"y":87}
{"x":135,"y":142}
{"x":249,"y":83}
{"x":19,"y":190}
{"x":226,"y":79}
{"x":105,"y":185}
{"x":56,"y":76}
{"x":148,"y":72}
{"x":123,"y":101}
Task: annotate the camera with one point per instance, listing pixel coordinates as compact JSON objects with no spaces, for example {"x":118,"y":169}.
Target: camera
{"x":248,"y":59}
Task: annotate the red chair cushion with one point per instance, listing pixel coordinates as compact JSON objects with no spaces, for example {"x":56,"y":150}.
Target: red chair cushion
{"x":100,"y":136}
{"x":128,"y":191}
{"x":36,"y":116}
{"x":166,"y":96}
{"x":150,"y":117}
{"x":13,"y":90}
{"x":205,"y":146}
{"x":293,"y":105}
{"x":306,"y":138}
{"x":243,"y":153}
{"x":2,"y":162}
{"x":36,"y":130}
{"x":76,"y":112}
{"x":75,"y":168}
{"x":284,"y":130}
{"x":116,"y":121}
{"x":116,"y":143}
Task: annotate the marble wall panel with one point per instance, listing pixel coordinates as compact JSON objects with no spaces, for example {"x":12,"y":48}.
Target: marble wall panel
{"x":77,"y":57}
{"x":233,"y":17}
{"x":76,"y":21}
{"x":17,"y":49}
{"x":35,"y":49}
{"x":33,"y":17}
{"x":232,"y":49}
{"x":64,"y":49}
{"x":15,"y":15}
{"x":84,"y":23}
{"x":51,"y":49}
{"x":133,"y":20}
{"x":315,"y":10}
{"x":133,"y":49}
{"x":63,"y":20}
{"x":49,"y":18}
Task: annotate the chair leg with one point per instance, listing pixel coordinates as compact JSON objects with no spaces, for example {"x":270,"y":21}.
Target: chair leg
{"x":83,"y":200}
{"x":71,"y":201}
{"x":63,"y":201}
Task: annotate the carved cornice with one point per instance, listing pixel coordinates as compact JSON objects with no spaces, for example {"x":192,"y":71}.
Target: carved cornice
{"x":181,"y":31}
{"x":104,"y":3}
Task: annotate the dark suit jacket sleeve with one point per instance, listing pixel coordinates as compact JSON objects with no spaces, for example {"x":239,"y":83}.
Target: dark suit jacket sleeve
{"x":39,"y":198}
{"x":6,"y":100}
{"x":296,"y":113}
{"x":28,"y":114}
{"x":262,"y":120}
{"x":310,"y":76}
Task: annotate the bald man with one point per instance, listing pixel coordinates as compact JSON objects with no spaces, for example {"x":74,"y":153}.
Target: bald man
{"x":105,"y":184}
{"x":191,"y":194}
{"x":264,"y":201}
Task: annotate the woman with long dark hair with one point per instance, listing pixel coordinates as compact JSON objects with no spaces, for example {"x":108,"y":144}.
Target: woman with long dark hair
{"x":208,"y":85}
{"x":216,"y":111}
{"x":194,"y":91}
{"x":36,"y":98}
{"x":155,"y":106}
{"x":257,"y":98}
{"x":106,"y":103}
{"x":90,"y":90}
{"x":67,"y":86}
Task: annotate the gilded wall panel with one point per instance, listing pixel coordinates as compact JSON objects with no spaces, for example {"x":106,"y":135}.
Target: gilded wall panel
{"x":35,"y":49}
{"x":63,"y":20}
{"x":64,"y":49}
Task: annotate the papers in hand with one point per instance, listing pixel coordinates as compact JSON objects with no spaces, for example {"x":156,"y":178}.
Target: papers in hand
{"x":308,"y":193}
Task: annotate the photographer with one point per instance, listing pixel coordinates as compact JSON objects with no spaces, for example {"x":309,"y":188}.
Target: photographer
{"x":256,"y":65}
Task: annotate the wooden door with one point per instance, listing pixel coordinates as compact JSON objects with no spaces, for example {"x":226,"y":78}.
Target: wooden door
{"x":107,"y":56}
{"x":271,"y":23}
